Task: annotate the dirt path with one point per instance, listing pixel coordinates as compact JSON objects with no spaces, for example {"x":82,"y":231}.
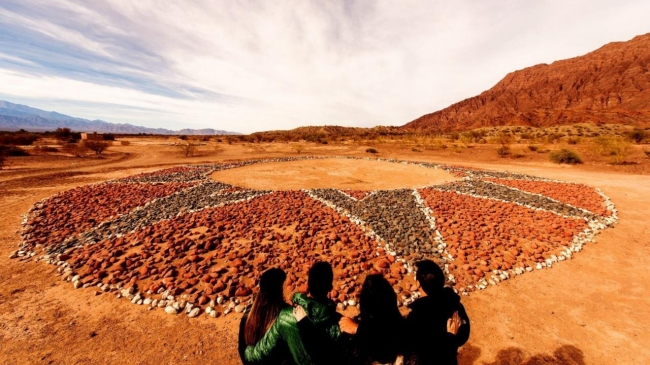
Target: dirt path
{"x":590,"y":310}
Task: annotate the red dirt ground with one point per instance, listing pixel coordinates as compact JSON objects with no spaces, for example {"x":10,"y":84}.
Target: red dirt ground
{"x":592,"y":309}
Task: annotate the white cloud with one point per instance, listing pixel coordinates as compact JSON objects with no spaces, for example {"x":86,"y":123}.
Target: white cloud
{"x":251,"y":65}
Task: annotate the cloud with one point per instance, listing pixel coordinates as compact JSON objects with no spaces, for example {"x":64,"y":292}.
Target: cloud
{"x":259,"y":65}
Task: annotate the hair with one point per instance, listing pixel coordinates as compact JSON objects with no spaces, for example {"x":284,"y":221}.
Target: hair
{"x":430,"y":276}
{"x":267,"y":305}
{"x":320,"y":279}
{"x":378,"y":300}
{"x":384,"y":338}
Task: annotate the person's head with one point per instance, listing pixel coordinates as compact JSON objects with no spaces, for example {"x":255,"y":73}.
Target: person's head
{"x":320,"y":279}
{"x":267,"y":305}
{"x":430,"y":276}
{"x":378,"y":300}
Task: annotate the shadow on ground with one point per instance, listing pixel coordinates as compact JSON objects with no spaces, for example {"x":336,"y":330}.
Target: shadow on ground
{"x":564,"y":355}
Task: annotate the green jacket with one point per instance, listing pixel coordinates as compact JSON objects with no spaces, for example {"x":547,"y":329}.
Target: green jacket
{"x":302,"y":339}
{"x":322,"y":315}
{"x":285,"y":328}
{"x":320,"y":330}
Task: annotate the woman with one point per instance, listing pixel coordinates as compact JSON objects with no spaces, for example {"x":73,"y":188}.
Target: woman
{"x":378,"y":332}
{"x":267,"y":306}
{"x":270,"y":334}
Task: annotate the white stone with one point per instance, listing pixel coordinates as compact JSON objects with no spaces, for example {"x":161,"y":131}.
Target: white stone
{"x":171,"y":310}
{"x":194,"y":312}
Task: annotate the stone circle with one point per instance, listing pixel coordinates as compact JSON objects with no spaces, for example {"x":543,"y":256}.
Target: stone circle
{"x":176,"y":240}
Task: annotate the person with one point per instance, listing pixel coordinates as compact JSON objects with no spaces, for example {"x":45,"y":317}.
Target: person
{"x":318,"y":319}
{"x":271,"y":334}
{"x":378,"y":332}
{"x":437,"y":322}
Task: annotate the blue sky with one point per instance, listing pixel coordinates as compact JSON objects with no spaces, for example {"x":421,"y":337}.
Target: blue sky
{"x":247,"y":66}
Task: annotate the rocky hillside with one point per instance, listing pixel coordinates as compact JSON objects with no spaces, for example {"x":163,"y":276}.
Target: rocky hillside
{"x":609,"y":85}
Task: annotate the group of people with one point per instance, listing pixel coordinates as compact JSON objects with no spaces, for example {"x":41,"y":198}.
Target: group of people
{"x":313,"y":332}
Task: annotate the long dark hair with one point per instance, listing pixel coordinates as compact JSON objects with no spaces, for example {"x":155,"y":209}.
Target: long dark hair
{"x":378,"y":300}
{"x":383,"y":338}
{"x":267,"y":305}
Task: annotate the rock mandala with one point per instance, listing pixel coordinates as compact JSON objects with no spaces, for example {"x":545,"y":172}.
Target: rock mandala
{"x":175,"y":239}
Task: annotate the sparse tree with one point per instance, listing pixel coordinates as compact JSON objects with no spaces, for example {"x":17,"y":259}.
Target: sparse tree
{"x":299,"y":147}
{"x":63,"y":134}
{"x":96,"y":146}
{"x":187,"y":148}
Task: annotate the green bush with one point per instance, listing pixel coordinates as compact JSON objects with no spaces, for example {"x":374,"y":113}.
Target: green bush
{"x":565,"y":156}
{"x":371,"y":150}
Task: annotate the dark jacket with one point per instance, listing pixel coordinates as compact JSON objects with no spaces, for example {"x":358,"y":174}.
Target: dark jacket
{"x":427,"y":323}
{"x":320,"y":330}
{"x":377,"y":341}
{"x":284,"y":330}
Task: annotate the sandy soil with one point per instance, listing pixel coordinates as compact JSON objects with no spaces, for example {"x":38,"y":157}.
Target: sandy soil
{"x":334,"y":173}
{"x":590,"y":310}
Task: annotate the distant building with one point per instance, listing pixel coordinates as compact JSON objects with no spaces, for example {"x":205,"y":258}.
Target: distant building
{"x":92,"y":137}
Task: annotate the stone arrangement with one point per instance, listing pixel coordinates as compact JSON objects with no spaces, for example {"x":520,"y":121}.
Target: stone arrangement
{"x":177,"y":240}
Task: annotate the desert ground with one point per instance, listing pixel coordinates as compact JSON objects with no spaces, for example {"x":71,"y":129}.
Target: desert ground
{"x":592,"y":309}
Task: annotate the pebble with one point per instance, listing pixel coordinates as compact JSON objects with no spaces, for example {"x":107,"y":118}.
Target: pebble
{"x":171,"y":310}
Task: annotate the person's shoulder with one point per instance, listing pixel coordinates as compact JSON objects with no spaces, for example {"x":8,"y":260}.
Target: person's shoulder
{"x":420,"y":303}
{"x":450,"y":296}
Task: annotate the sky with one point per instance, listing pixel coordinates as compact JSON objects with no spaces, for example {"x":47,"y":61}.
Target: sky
{"x":249,"y":66}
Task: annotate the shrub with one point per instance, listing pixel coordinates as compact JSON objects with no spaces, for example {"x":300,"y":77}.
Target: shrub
{"x":299,"y":148}
{"x":647,"y":153}
{"x":108,"y":137}
{"x":504,"y":139}
{"x":187,"y":148}
{"x":565,"y":156}
{"x":3,"y":160}
{"x":182,"y":137}
{"x":96,"y":146}
{"x":533,"y":148}
{"x":125,"y":143}
{"x":417,"y":150}
{"x":573,"y":141}
{"x":526,"y":136}
{"x":503,"y":151}
{"x":616,"y":147}
{"x":18,"y":139}
{"x":12,"y":151}
{"x":62,"y":134}
{"x":637,"y":135}
{"x":371,"y":150}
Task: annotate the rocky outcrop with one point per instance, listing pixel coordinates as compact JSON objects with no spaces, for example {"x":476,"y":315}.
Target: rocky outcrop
{"x":609,"y":85}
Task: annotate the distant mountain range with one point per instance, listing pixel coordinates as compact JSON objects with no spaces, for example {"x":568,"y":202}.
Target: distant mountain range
{"x":608,"y":85}
{"x":14,"y":117}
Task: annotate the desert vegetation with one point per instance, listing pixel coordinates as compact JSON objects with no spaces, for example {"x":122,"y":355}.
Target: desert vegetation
{"x":565,"y":156}
{"x":96,"y":146}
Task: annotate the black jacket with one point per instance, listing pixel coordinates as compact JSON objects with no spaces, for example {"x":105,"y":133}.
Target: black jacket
{"x":429,"y":340}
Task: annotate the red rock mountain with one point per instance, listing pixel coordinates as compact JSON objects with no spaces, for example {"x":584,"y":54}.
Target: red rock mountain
{"x":610,"y":85}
